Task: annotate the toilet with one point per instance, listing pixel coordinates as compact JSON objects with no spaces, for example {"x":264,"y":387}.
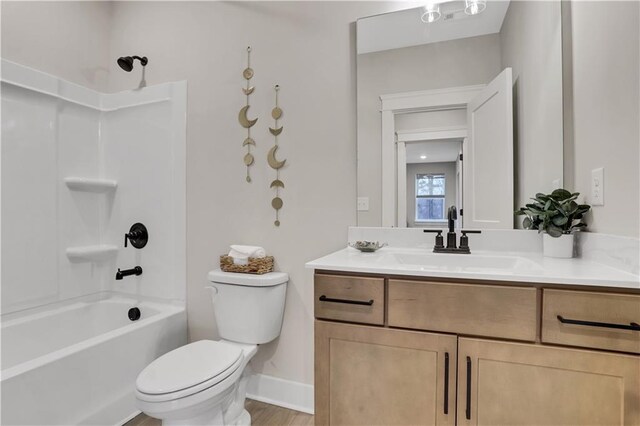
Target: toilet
{"x":205,"y":382}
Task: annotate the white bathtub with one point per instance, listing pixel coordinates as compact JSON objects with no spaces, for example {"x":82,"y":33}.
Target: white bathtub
{"x":76,"y":364}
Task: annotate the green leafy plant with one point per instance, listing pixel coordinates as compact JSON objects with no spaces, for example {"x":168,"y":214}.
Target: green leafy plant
{"x":556,"y":213}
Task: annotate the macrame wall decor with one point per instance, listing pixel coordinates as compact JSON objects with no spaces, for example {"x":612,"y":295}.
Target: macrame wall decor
{"x":276,"y":203}
{"x":242,"y":115}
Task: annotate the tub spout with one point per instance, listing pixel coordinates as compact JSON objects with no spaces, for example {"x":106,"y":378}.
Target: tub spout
{"x":133,"y":271}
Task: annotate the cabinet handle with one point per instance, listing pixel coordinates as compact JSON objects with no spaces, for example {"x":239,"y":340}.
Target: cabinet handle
{"x":632,"y":326}
{"x":324,"y":298}
{"x":468,"y":410}
{"x":446,"y":382}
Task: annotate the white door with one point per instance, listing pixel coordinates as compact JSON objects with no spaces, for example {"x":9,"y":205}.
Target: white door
{"x":488,"y":157}
{"x":459,"y":180}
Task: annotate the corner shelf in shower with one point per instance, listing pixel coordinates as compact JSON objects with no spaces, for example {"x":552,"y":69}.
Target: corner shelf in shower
{"x":90,"y":184}
{"x":91,"y":253}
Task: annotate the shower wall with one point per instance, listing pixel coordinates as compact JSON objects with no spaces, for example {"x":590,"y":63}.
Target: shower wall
{"x":62,"y":239}
{"x":141,"y":152}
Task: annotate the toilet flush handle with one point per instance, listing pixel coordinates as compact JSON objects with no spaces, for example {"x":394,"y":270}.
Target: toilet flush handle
{"x":214,"y":292}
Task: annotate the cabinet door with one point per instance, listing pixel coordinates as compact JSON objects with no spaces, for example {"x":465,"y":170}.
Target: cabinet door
{"x":376,"y":376}
{"x":502,"y":383}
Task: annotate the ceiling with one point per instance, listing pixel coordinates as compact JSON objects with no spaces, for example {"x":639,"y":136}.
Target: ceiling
{"x":404,"y":28}
{"x":437,"y":151}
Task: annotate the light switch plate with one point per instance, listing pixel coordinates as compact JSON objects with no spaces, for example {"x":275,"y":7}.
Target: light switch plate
{"x":597,"y":187}
{"x":555,"y":184}
{"x":363,"y":204}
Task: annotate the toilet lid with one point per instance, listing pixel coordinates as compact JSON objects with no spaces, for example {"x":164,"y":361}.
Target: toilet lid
{"x":189,"y":366}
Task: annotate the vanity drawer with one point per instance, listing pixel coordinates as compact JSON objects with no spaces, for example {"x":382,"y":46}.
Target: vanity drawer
{"x":353,"y":299}
{"x":481,"y":310}
{"x":592,"y":320}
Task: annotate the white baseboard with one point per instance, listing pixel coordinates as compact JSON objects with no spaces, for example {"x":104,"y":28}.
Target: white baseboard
{"x":284,"y":393}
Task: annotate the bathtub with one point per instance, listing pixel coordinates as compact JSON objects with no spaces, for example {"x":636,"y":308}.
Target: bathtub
{"x":76,"y":363}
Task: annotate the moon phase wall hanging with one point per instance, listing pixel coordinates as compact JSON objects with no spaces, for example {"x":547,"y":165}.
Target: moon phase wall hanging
{"x":276,"y":203}
{"x":242,"y":115}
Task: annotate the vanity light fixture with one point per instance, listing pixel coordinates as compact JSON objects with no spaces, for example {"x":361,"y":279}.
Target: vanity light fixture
{"x":473,"y":7}
{"x":431,"y":13}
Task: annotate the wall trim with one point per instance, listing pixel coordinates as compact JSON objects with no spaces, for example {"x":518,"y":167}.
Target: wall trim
{"x":400,"y":103}
{"x":425,"y":100}
{"x":451,"y":132}
{"x":283,"y":393}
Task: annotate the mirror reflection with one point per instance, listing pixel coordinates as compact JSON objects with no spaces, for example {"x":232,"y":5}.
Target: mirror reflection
{"x":433,"y":181}
{"x":477,"y":78}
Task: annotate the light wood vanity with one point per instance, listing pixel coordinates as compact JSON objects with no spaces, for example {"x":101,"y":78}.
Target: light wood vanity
{"x":419,"y":350}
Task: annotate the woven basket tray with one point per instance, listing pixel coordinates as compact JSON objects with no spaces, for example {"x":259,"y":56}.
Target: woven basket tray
{"x":257,"y":265}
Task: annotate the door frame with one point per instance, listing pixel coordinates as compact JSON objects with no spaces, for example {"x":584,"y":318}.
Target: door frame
{"x":402,"y":103}
{"x":409,"y":136}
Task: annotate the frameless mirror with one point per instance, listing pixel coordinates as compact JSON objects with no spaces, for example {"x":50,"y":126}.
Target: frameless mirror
{"x":474,"y":87}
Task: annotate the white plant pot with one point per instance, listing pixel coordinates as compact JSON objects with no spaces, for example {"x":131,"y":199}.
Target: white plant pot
{"x":561,"y":247}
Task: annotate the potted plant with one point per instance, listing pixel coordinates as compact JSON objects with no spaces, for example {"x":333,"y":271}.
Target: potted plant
{"x":557,"y":215}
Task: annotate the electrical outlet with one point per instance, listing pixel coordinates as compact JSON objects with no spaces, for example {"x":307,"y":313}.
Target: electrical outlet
{"x":363,"y":204}
{"x":597,"y":187}
{"x":555,"y":184}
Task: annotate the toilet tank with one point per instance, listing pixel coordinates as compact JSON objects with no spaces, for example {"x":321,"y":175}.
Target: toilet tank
{"x":248,"y":308}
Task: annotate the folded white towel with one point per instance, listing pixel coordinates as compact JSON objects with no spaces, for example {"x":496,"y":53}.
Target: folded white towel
{"x":241,"y":254}
{"x":240,"y":260}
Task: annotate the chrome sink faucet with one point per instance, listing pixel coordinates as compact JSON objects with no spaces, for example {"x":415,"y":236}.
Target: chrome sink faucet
{"x":452,"y":216}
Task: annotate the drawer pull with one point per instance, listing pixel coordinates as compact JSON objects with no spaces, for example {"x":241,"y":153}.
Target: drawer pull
{"x":324,"y":298}
{"x":446,"y":382}
{"x":468,"y":408}
{"x":632,"y":326}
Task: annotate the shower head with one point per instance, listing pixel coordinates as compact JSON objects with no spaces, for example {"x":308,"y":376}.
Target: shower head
{"x":126,"y":62}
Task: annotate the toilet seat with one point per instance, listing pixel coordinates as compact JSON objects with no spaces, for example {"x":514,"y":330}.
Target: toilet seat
{"x":188,"y":370}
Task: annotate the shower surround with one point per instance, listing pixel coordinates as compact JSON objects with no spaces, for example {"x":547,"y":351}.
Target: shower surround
{"x":80,"y":167}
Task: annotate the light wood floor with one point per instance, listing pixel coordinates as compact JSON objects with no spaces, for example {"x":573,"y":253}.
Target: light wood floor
{"x":261,"y":415}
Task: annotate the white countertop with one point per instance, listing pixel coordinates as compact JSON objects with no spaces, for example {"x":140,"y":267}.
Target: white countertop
{"x":480,"y":265}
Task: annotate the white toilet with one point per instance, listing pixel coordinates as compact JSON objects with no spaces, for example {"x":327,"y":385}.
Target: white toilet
{"x":204,"y":382}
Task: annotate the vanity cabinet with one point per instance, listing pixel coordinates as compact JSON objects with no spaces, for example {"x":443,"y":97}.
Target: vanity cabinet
{"x":430,"y":351}
{"x":487,"y":310}
{"x":507,"y":383}
{"x":352,"y":299}
{"x":379,"y":376}
{"x":591,"y":319}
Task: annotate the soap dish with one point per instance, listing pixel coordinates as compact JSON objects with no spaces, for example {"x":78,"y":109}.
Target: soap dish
{"x":367,"y":246}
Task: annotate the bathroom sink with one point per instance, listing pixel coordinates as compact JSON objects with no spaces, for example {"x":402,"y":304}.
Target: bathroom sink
{"x":466,"y":262}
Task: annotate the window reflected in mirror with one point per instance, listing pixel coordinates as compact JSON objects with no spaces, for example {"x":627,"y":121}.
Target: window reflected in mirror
{"x":430,"y":197}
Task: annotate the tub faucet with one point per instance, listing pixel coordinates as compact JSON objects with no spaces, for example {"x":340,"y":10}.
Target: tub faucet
{"x":133,"y":271}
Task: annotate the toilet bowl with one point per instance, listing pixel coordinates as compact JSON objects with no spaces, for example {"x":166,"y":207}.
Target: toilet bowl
{"x":204,"y":382}
{"x":197,"y":384}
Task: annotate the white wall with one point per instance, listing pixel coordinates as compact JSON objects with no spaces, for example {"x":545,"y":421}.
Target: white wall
{"x":531,"y":45}
{"x":305,"y":47}
{"x":44,"y":140}
{"x":143,"y":149}
{"x":69,"y":39}
{"x":462,"y":62}
{"x":607,"y":111}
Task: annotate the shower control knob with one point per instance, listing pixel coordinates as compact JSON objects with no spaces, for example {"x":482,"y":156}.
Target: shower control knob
{"x":137,"y":236}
